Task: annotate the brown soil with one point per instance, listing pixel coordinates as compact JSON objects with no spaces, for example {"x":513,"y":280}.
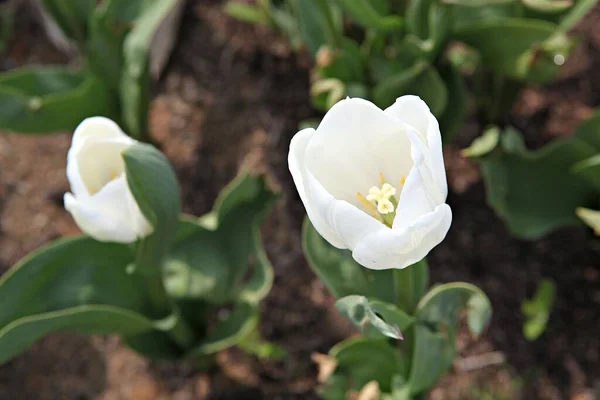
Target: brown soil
{"x":232,"y":98}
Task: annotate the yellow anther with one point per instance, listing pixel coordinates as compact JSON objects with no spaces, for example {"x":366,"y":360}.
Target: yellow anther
{"x":375,"y":194}
{"x":369,"y":207}
{"x":385,"y":207}
{"x":387,"y":190}
{"x":403,"y":181}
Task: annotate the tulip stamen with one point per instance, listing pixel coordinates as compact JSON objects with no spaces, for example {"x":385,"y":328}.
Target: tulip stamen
{"x":381,"y":202}
{"x":368,"y":206}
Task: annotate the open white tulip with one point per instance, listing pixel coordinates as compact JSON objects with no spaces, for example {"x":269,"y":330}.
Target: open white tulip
{"x":101,"y":202}
{"x":373,"y":181}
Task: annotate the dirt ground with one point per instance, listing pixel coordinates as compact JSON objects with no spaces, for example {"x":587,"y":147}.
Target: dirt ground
{"x":232,"y":97}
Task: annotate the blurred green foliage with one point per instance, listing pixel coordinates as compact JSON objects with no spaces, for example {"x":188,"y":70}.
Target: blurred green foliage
{"x":536,"y":192}
{"x":215,"y":273}
{"x":383,"y":49}
{"x":114,"y":39}
{"x":387,"y":305}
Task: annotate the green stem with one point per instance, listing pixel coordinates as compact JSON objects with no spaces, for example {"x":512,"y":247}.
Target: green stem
{"x":410,"y":284}
{"x":404,"y":284}
{"x":160,"y":306}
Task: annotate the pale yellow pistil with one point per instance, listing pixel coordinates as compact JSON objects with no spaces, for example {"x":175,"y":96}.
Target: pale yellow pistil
{"x":381,"y":202}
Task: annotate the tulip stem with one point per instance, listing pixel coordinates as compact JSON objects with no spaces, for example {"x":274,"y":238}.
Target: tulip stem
{"x":160,"y":306}
{"x":410,"y":284}
{"x":162,"y":309}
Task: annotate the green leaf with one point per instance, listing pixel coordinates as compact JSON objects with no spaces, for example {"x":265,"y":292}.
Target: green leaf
{"x":589,"y":169}
{"x":255,"y":345}
{"x":535,"y":192}
{"x":432,"y":357}
{"x":438,"y":317}
{"x":537,"y":310}
{"x":465,"y":15}
{"x":484,"y":144}
{"x":363,"y":314}
{"x":8,"y":12}
{"x":363,"y":360}
{"x":417,"y":18}
{"x":228,"y":331}
{"x":50,"y":99}
{"x":340,"y":273}
{"x":589,"y":131}
{"x":71,"y":16}
{"x":507,"y":46}
{"x":135,"y":89}
{"x":347,"y":64}
{"x":363,"y":12}
{"x":317,"y":25}
{"x":590,"y":217}
{"x":73,"y":284}
{"x":548,"y":6}
{"x":17,"y":336}
{"x":579,"y":10}
{"x":441,"y":306}
{"x":154,"y":186}
{"x":104,"y":47}
{"x":247,"y":12}
{"x":455,"y":113}
{"x":212,"y":262}
{"x":422,"y":80}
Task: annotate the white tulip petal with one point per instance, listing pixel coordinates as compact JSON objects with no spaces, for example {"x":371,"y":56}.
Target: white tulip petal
{"x":97,"y":128}
{"x":399,"y":248}
{"x":354,"y":144}
{"x":420,"y":194}
{"x":413,"y":111}
{"x":296,"y":164}
{"x":99,"y":162}
{"x":100,"y":225}
{"x":349,"y":223}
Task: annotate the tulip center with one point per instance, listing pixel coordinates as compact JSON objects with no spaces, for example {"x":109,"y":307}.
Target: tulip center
{"x":381,"y":202}
{"x":111,"y":176}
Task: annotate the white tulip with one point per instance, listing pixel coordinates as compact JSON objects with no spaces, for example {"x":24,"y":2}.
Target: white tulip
{"x":101,"y":202}
{"x":373,"y":181}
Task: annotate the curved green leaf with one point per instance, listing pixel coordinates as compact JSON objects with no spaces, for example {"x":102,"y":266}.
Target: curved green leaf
{"x":579,"y":10}
{"x":363,"y":360}
{"x":441,"y":306}
{"x":73,"y":284}
{"x":228,"y":332}
{"x":154,"y":186}
{"x":212,"y":262}
{"x":17,"y":336}
{"x":590,"y":217}
{"x":71,"y":16}
{"x":422,"y":80}
{"x":438,"y":317}
{"x":535,"y":192}
{"x":47,"y":100}
{"x":548,"y":6}
{"x":507,"y":45}
{"x":340,"y":273}
{"x":317,"y":24}
{"x":455,"y":113}
{"x":135,"y":80}
{"x":537,"y":310}
{"x":484,"y":144}
{"x":432,"y":357}
{"x":363,"y":314}
{"x":363,"y":12}
{"x":589,"y":169}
